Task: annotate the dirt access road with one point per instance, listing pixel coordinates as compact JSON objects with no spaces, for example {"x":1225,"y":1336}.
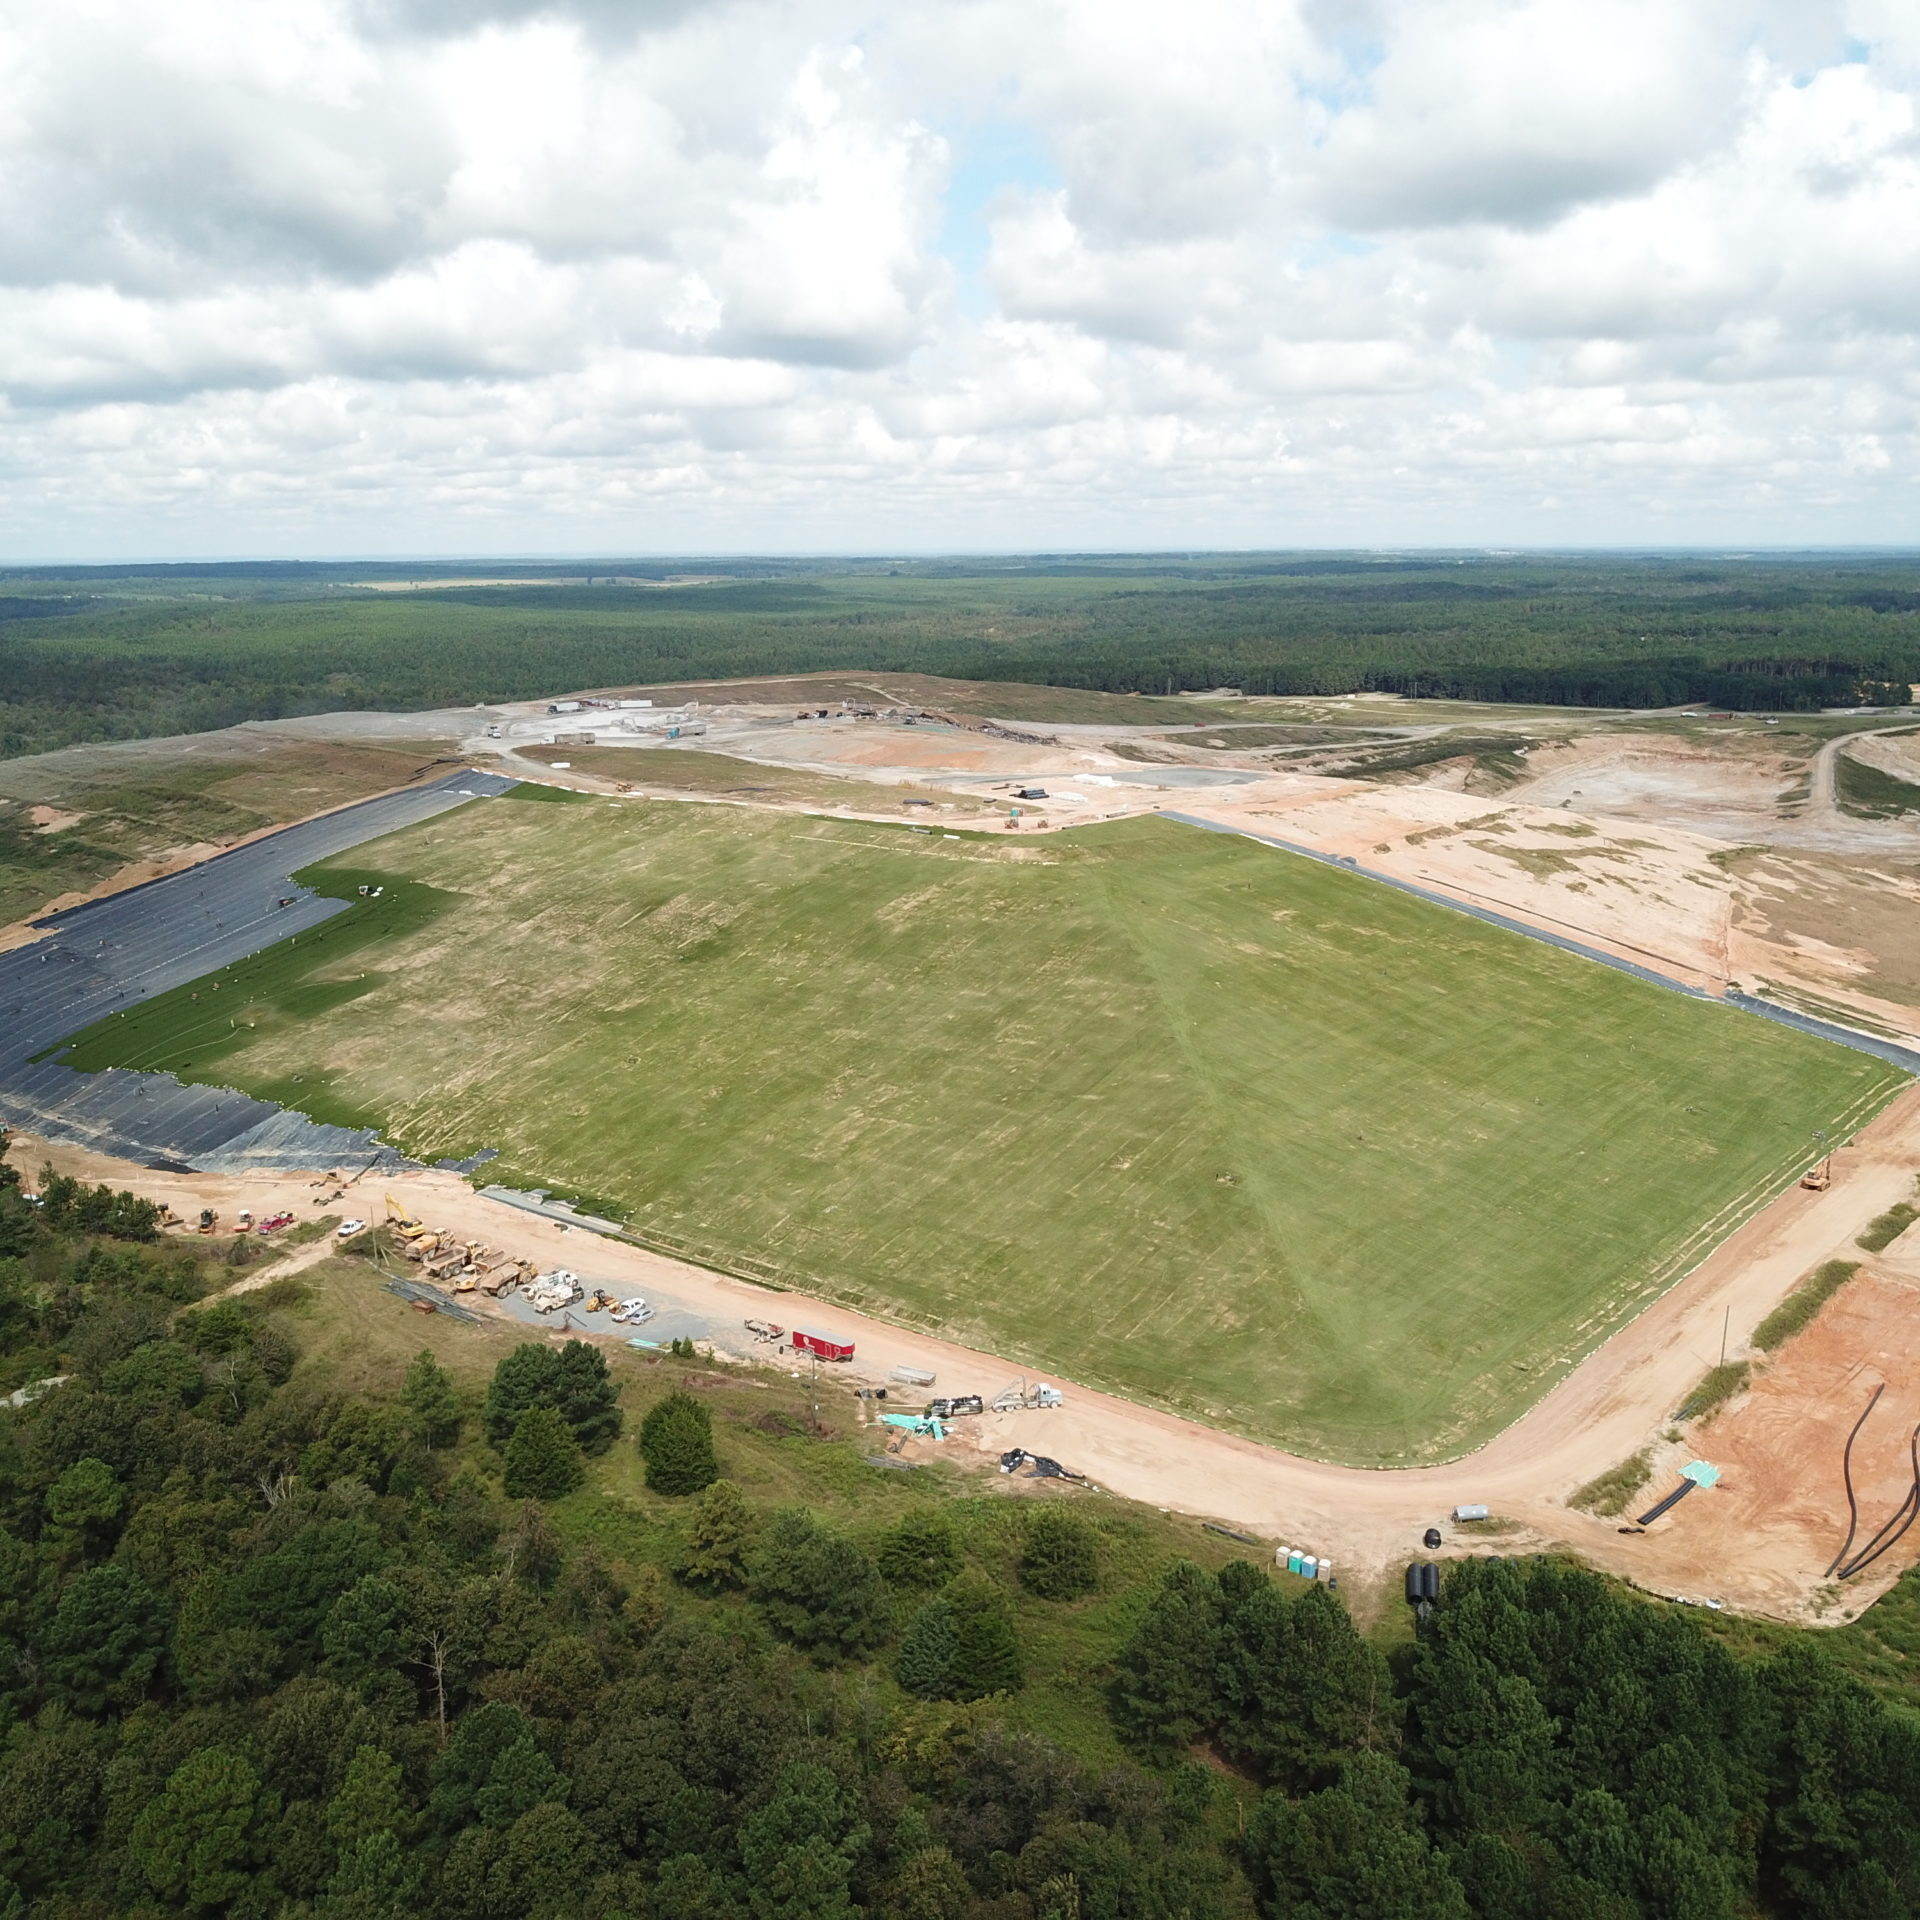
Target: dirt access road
{"x":1367,"y":1522}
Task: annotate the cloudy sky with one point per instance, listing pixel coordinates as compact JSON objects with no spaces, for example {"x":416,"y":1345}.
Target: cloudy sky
{"x":380,"y":276}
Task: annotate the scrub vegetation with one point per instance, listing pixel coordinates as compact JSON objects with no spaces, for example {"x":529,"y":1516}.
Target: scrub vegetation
{"x":278,"y":1638}
{"x":1885,"y":1228}
{"x":122,"y":652}
{"x":1872,"y":791}
{"x":1165,"y":1111}
{"x":1799,"y":1309}
{"x":1607,"y":1494}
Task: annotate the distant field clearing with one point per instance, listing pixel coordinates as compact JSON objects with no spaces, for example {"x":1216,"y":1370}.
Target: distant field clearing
{"x":1160,"y":1109}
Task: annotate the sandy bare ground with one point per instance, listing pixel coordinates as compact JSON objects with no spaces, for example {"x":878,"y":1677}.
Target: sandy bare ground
{"x":1618,"y":1400}
{"x":298,"y":1261}
{"x":1742,"y":791}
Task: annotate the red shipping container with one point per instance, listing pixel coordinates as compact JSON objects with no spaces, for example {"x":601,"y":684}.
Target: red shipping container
{"x":822,"y":1344}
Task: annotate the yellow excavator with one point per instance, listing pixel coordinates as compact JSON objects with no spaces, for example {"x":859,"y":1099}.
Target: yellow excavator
{"x":401,"y":1221}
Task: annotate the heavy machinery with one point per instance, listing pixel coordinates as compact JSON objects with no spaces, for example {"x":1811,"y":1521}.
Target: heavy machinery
{"x":1820,"y":1178}
{"x":401,"y":1221}
{"x":1011,"y":1399}
{"x":208,"y":1219}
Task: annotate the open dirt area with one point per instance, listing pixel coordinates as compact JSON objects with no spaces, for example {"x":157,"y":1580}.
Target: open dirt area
{"x":1780,"y":1447}
{"x":1757,"y":1543}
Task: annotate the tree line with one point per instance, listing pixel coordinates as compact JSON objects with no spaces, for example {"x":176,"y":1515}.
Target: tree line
{"x":1780,"y":634}
{"x":272,"y":1646}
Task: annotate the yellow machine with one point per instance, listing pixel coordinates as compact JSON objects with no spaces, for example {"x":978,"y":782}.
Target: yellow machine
{"x":401,"y":1221}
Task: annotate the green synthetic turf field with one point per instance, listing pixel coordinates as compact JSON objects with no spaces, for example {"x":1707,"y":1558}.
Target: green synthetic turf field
{"x":1160,"y":1109}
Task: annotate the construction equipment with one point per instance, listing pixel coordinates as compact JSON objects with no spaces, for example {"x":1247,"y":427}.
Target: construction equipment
{"x":957,"y":1405}
{"x":1012,"y":1399}
{"x":400,"y":1220}
{"x":599,"y":1300}
{"x":1819,"y":1179}
{"x":208,"y":1219}
{"x":1038,"y":1466}
{"x":549,"y":1292}
{"x":765,"y":1330}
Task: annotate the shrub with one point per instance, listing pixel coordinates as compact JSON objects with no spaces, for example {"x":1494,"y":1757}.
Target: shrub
{"x":1888,"y":1227}
{"x":1061,"y":1560}
{"x":1607,"y":1494}
{"x":1716,"y":1389}
{"x":1798,"y":1309}
{"x":919,"y":1551}
{"x":676,"y":1442}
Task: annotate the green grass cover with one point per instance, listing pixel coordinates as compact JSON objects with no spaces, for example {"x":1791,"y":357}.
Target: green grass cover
{"x":1165,"y":1111}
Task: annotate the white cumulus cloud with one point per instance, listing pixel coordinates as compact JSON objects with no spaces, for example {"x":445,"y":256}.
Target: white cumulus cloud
{"x":589,"y":275}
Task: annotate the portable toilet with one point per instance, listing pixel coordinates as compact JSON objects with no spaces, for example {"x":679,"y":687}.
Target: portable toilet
{"x":1293,"y":1559}
{"x":1326,"y":1570}
{"x":1280,"y":1558}
{"x":1309,"y":1567}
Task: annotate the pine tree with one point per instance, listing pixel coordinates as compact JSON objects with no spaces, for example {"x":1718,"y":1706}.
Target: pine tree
{"x":818,"y":1588}
{"x":542,"y":1459}
{"x":1165,"y":1689}
{"x":919,"y":1551}
{"x":433,"y":1408}
{"x":584,"y":1392}
{"x":1061,"y":1559}
{"x":369,"y":1801}
{"x":986,"y":1651}
{"x":676,"y":1441}
{"x":929,"y":1886}
{"x":574,"y":1381}
{"x":925,"y":1666}
{"x":718,"y":1540}
{"x":525,"y":1378}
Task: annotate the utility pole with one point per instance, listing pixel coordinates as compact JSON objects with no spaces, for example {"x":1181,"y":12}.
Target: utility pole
{"x":1725,"y":1324}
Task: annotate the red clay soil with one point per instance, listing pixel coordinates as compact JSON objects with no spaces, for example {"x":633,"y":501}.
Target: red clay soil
{"x":1780,"y":1510}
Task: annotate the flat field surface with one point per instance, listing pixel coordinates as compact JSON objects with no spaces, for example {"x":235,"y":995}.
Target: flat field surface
{"x":1168,"y":1112}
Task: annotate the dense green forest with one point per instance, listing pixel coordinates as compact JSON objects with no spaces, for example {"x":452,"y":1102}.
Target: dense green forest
{"x":114,"y":653}
{"x":271,"y":1645}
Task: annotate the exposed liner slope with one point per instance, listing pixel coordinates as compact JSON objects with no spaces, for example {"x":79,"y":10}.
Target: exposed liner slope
{"x":107,"y":955}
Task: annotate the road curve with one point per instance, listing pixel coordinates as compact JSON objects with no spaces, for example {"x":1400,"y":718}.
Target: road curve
{"x":1366,"y":1520}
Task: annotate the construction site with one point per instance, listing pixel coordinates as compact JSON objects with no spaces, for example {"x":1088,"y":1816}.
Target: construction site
{"x":1684,"y":856}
